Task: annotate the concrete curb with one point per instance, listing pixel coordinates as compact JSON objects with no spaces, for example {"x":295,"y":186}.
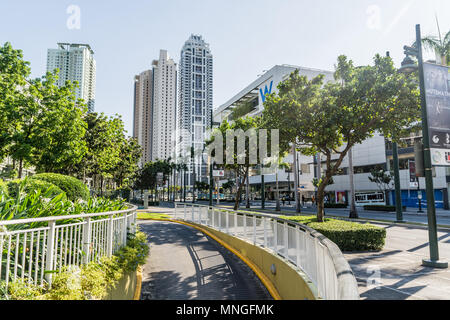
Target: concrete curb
{"x":137,"y":292}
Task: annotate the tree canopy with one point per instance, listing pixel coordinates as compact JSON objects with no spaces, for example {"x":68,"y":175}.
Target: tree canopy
{"x":330,"y":118}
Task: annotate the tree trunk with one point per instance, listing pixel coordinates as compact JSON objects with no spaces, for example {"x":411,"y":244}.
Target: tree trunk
{"x":296,"y":182}
{"x":320,"y":206}
{"x":353,"y":212}
{"x":20,"y":168}
{"x":239,"y":191}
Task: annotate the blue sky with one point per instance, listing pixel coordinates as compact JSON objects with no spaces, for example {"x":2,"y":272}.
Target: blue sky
{"x":246,"y":36}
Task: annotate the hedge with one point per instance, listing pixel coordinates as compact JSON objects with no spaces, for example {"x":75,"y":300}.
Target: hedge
{"x":347,"y":235}
{"x":352,"y":236}
{"x":74,"y":188}
{"x":379,"y":208}
{"x":32,"y":185}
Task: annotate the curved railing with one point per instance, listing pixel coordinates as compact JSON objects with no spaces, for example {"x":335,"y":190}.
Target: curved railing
{"x":318,"y":257}
{"x":33,"y":249}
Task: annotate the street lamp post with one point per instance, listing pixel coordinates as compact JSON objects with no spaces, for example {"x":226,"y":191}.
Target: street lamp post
{"x":263,"y":192}
{"x":398,"y":194}
{"x":398,"y":191}
{"x":407,"y":67}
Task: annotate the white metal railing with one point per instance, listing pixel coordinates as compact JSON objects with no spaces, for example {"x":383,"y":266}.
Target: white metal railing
{"x":32,"y":249}
{"x":318,"y":257}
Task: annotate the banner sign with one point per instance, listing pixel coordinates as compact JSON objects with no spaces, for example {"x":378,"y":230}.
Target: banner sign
{"x":437,"y":92}
{"x":413,"y":183}
{"x":218,"y":173}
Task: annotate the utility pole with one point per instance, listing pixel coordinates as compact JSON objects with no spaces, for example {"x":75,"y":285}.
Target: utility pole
{"x":431,"y":208}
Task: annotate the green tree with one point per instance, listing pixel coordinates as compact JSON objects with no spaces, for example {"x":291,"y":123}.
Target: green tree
{"x":383,"y":180}
{"x":14,"y":72}
{"x":59,"y":135}
{"x":127,"y":166}
{"x":104,"y":139}
{"x":240,"y":169}
{"x":331,"y":118}
{"x":47,"y":127}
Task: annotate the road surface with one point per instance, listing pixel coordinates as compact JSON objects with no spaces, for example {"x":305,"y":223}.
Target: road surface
{"x":184,"y":264}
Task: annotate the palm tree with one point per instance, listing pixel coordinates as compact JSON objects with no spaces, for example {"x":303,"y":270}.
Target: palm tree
{"x":440,"y":45}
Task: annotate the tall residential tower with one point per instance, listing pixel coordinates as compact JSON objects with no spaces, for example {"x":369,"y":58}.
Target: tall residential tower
{"x":75,"y":63}
{"x":155,"y":109}
{"x":195,"y":102}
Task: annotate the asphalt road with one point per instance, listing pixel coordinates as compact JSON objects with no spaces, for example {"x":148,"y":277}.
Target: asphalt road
{"x":396,"y":272}
{"x":184,"y":264}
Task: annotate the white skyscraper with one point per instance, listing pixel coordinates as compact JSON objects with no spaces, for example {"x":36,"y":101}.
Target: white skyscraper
{"x":195,"y":102}
{"x":164,"y":106}
{"x":155,"y":109}
{"x":75,"y":63}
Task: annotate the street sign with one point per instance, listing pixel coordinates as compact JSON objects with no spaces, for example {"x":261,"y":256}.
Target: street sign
{"x":437,"y":92}
{"x":159,"y":177}
{"x":218,"y":173}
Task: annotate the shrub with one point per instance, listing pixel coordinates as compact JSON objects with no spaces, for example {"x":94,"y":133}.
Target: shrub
{"x":347,"y":235}
{"x":74,"y":188}
{"x":19,"y":290}
{"x":379,"y":208}
{"x":32,"y":185}
{"x":135,"y":253}
{"x":352,"y":236}
{"x":90,"y":281}
{"x":3,"y":188}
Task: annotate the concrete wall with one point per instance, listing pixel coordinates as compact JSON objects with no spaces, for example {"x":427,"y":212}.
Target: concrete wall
{"x":128,"y":287}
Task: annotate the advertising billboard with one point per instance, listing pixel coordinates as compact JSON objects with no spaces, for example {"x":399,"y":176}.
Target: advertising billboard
{"x":437,"y":92}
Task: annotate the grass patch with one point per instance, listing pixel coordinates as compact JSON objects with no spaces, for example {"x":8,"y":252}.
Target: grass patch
{"x":152,"y":215}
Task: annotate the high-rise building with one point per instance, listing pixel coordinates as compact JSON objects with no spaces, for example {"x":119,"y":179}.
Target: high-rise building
{"x":75,"y":63}
{"x":195,"y":103}
{"x":164,"y":106}
{"x":143,"y":108}
{"x":155,"y":109}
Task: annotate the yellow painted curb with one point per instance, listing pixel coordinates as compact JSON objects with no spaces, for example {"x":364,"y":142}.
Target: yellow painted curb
{"x":137,"y":292}
{"x":266,"y":282}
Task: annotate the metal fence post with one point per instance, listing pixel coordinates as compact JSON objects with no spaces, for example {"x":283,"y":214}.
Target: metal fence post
{"x":245,"y":225}
{"x":86,"y":239}
{"x":110,"y":236}
{"x":212,"y":218}
{"x":125,"y":229}
{"x":184,"y":212}
{"x":50,"y":251}
{"x":265,"y":231}
{"x":235,"y":223}
{"x":275,"y":235}
{"x":286,"y":240}
{"x":297,"y":245}
{"x":254,"y":230}
{"x":226,"y":221}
